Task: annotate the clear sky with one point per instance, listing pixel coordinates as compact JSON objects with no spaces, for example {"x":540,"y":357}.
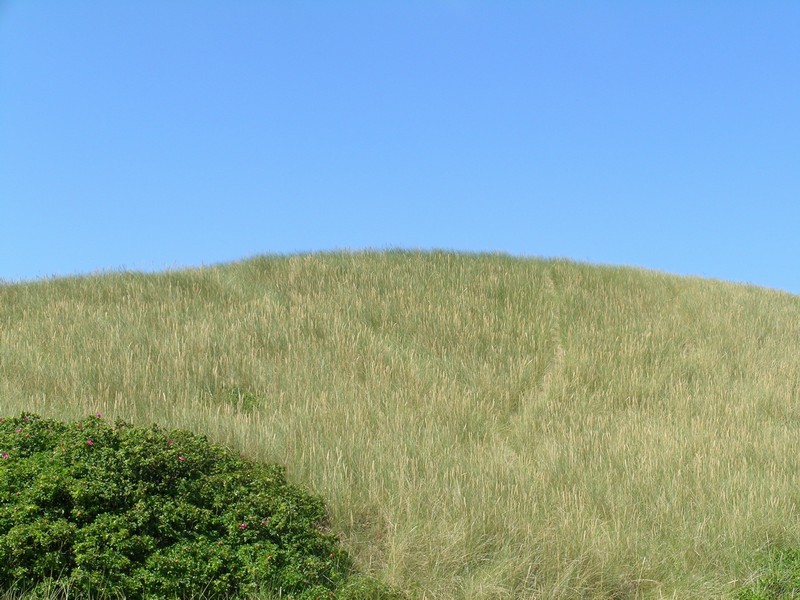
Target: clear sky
{"x":150,"y":135}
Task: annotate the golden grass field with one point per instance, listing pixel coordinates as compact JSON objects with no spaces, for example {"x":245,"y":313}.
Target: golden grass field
{"x":480,"y":426}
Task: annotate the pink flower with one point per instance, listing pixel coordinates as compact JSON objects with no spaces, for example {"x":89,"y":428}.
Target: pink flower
{"x":243,"y":526}
{"x":89,"y":443}
{"x":180,"y":458}
{"x":4,"y":455}
{"x":17,"y":430}
{"x":99,"y":416}
{"x":169,"y":442}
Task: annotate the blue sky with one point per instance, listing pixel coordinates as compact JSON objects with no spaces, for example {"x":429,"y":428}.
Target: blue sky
{"x":150,"y":135}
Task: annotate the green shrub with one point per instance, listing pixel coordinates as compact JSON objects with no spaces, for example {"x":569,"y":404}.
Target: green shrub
{"x":112,"y":510}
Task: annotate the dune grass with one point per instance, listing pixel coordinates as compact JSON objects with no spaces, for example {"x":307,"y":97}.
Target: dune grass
{"x":481,"y":426}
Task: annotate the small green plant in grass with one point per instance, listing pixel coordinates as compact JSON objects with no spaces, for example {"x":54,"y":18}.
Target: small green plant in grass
{"x":110,"y":510}
{"x":780,"y":579}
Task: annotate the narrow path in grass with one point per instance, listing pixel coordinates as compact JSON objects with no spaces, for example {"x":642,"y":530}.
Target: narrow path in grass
{"x":557,"y":362}
{"x":536,"y":395}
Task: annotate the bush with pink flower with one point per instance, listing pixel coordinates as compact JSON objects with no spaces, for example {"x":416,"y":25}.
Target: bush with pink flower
{"x":110,"y":510}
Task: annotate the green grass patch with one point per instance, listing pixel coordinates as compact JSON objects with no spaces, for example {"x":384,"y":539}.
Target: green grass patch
{"x":779,"y":578}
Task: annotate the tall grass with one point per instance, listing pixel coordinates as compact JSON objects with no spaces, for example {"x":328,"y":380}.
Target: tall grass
{"x":481,"y":426}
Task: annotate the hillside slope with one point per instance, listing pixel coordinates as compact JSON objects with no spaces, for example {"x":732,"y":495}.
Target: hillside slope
{"x":481,"y":426}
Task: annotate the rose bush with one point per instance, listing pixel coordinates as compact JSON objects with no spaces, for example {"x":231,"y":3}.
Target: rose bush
{"x":111,"y":510}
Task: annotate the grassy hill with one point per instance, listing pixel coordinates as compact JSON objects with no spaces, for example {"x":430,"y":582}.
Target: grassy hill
{"x":480,"y":426}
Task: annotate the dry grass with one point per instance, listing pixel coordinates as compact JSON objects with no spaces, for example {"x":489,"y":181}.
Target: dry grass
{"x":481,"y":426}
